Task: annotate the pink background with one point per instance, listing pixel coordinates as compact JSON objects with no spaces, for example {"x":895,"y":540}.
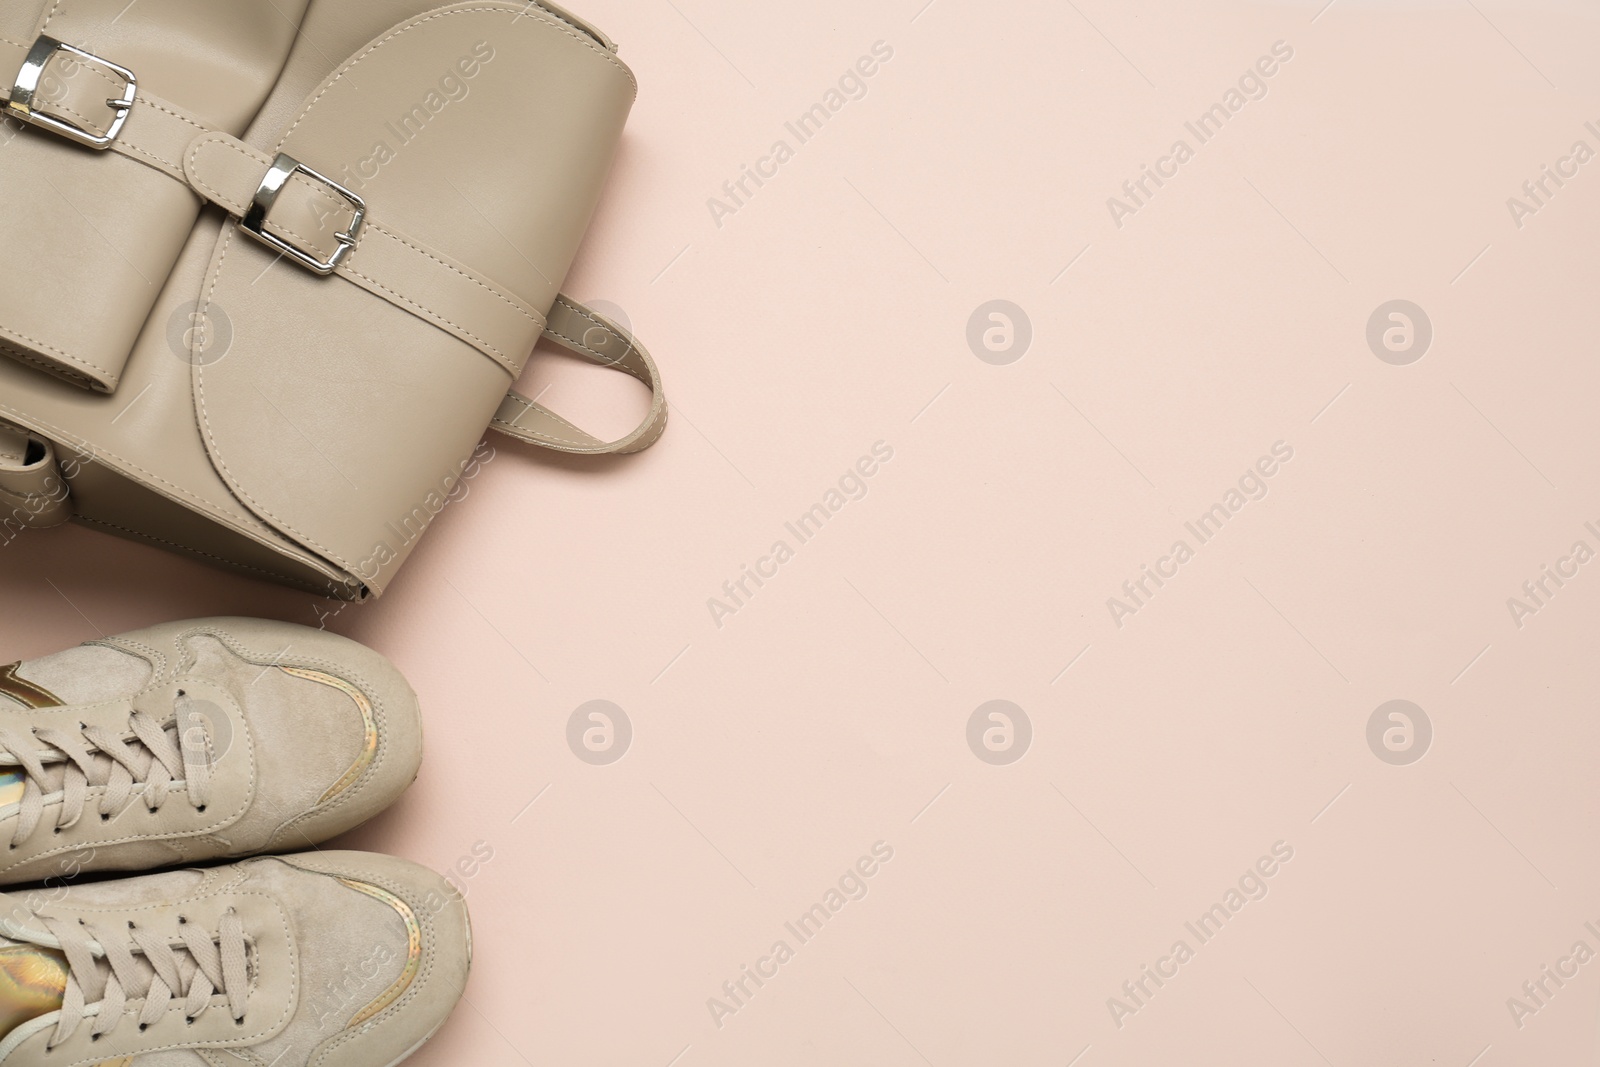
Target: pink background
{"x":828,"y":313}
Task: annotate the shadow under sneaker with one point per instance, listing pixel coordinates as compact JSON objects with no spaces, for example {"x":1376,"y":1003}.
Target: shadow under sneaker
{"x":323,"y":958}
{"x":198,"y":740}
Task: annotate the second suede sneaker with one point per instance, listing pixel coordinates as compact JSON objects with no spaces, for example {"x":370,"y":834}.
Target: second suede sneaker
{"x":326,"y":959}
{"x":198,"y":740}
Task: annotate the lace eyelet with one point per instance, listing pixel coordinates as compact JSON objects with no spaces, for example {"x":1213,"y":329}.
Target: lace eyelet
{"x":201,"y":809}
{"x":143,"y":1027}
{"x":104,"y":817}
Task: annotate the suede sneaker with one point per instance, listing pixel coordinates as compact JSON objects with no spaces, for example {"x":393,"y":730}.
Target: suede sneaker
{"x":193,"y":741}
{"x":312,"y":960}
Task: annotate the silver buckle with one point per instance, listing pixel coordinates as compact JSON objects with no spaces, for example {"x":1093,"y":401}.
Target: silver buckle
{"x":21,"y":106}
{"x":255,"y":219}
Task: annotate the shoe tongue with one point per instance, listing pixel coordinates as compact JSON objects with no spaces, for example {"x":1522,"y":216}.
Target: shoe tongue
{"x":33,"y":982}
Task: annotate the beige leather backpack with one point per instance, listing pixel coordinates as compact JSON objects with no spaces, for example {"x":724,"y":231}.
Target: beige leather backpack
{"x":272,"y":265}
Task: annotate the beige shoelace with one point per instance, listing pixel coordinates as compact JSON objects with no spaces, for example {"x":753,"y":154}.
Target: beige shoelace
{"x":151,"y":765}
{"x":108,"y":966}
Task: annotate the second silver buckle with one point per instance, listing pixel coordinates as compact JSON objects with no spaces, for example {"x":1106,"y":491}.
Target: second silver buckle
{"x":254,"y":222}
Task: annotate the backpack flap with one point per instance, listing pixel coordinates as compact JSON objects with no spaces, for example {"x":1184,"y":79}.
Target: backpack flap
{"x":397,"y":256}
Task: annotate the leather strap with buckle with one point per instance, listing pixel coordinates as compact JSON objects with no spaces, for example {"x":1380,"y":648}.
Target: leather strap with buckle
{"x":326,"y":228}
{"x":254,"y":222}
{"x":134,"y":123}
{"x":22,"y":102}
